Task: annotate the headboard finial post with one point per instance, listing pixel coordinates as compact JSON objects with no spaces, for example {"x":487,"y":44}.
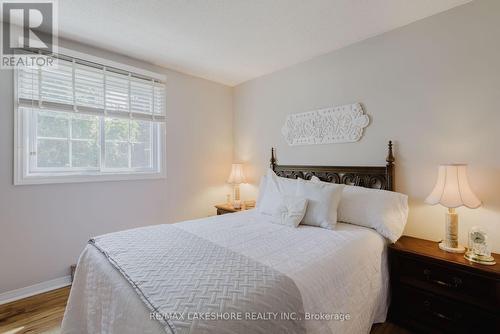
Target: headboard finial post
{"x":390,"y":167}
{"x":390,"y":156}
{"x":273,"y":159}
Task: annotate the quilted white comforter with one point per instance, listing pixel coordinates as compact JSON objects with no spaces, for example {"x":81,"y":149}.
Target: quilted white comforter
{"x":341,"y":276}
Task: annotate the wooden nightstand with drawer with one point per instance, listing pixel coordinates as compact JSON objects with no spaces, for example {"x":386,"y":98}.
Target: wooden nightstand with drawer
{"x":438,"y":292}
{"x":222,"y":209}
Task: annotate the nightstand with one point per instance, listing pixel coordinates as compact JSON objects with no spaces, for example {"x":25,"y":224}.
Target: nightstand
{"x":228,"y":208}
{"x":438,"y":292}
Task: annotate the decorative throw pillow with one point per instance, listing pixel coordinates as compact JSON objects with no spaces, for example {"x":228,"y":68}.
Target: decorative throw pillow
{"x":323,"y":200}
{"x":277,"y":202}
{"x":384,"y":211}
{"x":288,"y":210}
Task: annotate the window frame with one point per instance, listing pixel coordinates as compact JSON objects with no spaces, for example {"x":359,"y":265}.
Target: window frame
{"x":23,"y":141}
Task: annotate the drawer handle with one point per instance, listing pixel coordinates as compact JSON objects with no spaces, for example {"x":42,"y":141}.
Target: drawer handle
{"x":456,"y":317}
{"x":455,"y":283}
{"x":442,"y":316}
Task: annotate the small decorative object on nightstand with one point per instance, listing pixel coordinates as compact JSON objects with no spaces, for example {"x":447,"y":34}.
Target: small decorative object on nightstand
{"x":452,"y":190}
{"x":439,"y":292}
{"x":478,"y":249}
{"x":236,"y":178}
{"x":249,"y":204}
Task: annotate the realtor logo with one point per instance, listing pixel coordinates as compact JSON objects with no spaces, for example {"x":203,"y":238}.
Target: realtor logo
{"x":28,"y":26}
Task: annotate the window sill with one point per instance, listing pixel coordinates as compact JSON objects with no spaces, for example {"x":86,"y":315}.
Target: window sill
{"x":79,"y":178}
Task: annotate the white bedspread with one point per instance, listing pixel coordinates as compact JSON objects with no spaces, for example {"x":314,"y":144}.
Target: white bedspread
{"x":338,"y":273}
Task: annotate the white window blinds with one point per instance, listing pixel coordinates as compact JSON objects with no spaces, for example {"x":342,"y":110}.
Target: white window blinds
{"x":87,"y":88}
{"x":83,"y":121}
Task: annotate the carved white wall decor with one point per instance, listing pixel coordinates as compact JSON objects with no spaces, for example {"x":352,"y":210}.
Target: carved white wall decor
{"x":342,"y":124}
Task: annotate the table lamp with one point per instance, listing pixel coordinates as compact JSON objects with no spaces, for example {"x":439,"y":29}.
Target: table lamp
{"x":452,"y":190}
{"x":236,"y":178}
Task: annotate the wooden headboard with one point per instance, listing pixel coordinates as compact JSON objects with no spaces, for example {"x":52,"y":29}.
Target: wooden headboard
{"x":376,"y":177}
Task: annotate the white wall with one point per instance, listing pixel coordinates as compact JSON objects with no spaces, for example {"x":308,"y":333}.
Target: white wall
{"x":43,"y":228}
{"x":433,"y":87}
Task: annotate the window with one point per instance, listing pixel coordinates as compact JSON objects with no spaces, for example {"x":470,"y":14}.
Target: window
{"x":81,"y":121}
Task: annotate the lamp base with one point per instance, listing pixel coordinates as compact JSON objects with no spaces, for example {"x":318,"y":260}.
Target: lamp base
{"x":482,"y":259}
{"x":450,"y":244}
{"x":458,"y":249}
{"x":237,"y":201}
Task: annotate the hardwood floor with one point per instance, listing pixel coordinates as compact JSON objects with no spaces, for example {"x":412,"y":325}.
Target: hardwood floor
{"x":38,"y":314}
{"x":43,"y":314}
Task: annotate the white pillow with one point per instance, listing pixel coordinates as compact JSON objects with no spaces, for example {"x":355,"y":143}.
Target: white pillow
{"x":285,"y":185}
{"x":323,"y":200}
{"x":262,"y":190}
{"x":281,"y":208}
{"x":286,"y":210}
{"x":384,"y":211}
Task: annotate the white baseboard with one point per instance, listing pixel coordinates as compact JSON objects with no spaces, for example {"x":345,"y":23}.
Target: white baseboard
{"x":35,"y":289}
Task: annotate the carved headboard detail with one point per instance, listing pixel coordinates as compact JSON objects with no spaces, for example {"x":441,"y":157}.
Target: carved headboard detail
{"x":376,"y":177}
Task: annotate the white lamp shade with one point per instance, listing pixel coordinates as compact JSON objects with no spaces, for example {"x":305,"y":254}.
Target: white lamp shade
{"x":452,"y":188}
{"x":237,"y":176}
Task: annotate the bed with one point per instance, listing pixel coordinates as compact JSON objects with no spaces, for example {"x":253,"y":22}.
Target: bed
{"x":294,"y":280}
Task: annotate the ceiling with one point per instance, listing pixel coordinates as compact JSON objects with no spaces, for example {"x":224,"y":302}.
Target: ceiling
{"x":232,"y":41}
